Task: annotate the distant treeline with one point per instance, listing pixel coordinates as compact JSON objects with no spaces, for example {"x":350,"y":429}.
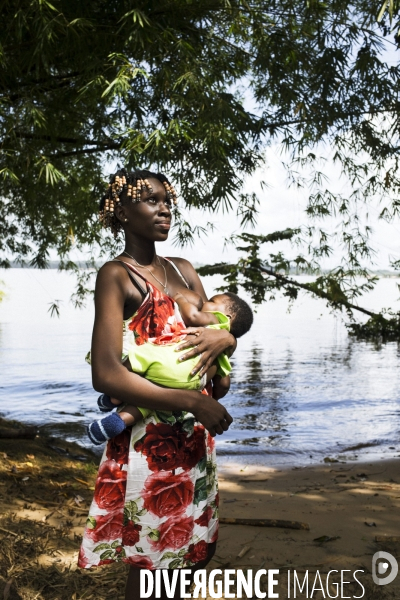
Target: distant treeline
{"x":54,"y":264}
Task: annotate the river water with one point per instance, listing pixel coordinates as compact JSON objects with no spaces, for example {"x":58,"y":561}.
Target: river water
{"x":302,"y":390}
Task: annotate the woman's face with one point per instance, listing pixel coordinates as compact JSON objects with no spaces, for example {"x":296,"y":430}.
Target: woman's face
{"x":151,"y":217}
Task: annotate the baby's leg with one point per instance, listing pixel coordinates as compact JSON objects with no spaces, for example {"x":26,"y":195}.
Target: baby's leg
{"x":108,"y":427}
{"x":106,"y":404}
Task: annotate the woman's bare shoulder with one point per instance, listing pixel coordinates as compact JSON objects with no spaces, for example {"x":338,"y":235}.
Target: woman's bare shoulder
{"x":190,"y":274}
{"x":111,"y":273}
{"x":182,"y":264}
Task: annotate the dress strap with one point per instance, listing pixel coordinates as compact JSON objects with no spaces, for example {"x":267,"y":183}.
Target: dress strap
{"x":171,"y":262}
{"x":130,"y":270}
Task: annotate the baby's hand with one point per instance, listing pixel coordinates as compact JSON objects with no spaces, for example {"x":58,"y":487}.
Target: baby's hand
{"x":178,"y":296}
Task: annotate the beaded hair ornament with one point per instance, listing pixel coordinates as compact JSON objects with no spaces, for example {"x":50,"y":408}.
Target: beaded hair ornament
{"x":133,"y":185}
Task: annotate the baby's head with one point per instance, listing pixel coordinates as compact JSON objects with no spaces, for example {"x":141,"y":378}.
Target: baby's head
{"x":235,"y":308}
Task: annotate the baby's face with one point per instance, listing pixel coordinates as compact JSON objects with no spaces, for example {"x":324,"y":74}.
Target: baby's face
{"x":220,"y":303}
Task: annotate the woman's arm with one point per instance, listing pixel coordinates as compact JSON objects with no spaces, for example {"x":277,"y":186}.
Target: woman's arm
{"x":109,"y":376}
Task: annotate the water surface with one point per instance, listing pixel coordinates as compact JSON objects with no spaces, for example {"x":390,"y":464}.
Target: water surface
{"x":301,"y":388}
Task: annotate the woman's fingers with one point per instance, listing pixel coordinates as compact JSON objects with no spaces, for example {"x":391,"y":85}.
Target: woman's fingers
{"x":218,"y":429}
{"x":203,"y":365}
{"x":224,"y":425}
{"x":212,"y":415}
{"x":228,"y":418}
{"x":190,"y":340}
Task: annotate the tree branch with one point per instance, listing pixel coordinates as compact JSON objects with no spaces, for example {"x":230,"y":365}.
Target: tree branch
{"x":319,"y":293}
{"x":116,"y":146}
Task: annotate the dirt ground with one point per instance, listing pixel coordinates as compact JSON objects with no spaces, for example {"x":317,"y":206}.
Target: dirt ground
{"x":352,"y":511}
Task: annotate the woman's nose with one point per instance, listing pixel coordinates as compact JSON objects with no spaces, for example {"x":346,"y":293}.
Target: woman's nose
{"x":164,"y":207}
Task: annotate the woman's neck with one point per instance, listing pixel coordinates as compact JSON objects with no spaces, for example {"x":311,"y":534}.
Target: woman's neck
{"x":144,"y":252}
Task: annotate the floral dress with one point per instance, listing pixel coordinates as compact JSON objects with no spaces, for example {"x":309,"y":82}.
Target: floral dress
{"x":155,"y":502}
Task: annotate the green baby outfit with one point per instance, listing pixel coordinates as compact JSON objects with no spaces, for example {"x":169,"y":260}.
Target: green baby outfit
{"x":160,"y":363}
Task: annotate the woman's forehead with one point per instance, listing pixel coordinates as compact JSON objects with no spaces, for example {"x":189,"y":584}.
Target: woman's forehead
{"x":156,"y":185}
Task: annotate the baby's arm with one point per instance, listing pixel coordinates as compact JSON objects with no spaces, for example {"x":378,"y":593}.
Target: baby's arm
{"x":221,"y":386}
{"x":192,"y":316}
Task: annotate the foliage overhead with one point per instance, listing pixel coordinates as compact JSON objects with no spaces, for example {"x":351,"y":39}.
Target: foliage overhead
{"x":167,"y":84}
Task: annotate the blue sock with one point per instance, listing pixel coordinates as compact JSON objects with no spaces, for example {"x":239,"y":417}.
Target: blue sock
{"x":106,"y":428}
{"x":105,"y":404}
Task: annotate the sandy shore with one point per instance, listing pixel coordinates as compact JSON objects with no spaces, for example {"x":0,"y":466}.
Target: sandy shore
{"x":46,"y":488}
{"x":354,"y":504}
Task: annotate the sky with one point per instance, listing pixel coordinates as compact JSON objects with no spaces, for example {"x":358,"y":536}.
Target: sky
{"x":280,"y":207}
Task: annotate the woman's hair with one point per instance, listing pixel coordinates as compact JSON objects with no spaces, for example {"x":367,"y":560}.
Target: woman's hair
{"x":241,"y":315}
{"x":126,"y":187}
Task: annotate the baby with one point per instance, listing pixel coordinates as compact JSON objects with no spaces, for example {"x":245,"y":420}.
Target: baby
{"x":157,"y":359}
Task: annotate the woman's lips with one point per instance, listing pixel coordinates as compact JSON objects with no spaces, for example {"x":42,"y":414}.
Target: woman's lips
{"x":165,"y":225}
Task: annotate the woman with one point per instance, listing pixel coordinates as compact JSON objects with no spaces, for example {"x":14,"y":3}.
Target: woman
{"x":156,"y":497}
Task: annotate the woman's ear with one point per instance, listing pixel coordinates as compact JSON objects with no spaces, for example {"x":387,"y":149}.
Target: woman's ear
{"x":120,"y":212}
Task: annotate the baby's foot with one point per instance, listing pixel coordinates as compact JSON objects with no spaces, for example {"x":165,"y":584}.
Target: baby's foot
{"x":105,"y":403}
{"x":106,"y":428}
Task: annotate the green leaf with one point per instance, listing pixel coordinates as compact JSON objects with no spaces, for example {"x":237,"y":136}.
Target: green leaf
{"x":201,"y":465}
{"x":102,"y":546}
{"x":166,"y":417}
{"x":154,"y":535}
{"x":107,"y":554}
{"x":139,"y":549}
{"x":130,"y":508}
{"x":54,"y":308}
{"x":90,"y":522}
{"x":115,"y":544}
{"x":175,"y":564}
{"x":382,"y":11}
{"x":169,"y":555}
{"x":188,"y":426}
{"x":200,"y":490}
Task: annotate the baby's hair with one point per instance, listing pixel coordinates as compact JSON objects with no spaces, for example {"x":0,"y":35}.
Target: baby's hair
{"x":126,"y":187}
{"x":241,"y":315}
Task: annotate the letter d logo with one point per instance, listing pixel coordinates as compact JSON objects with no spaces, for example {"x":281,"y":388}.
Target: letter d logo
{"x":380,"y":568}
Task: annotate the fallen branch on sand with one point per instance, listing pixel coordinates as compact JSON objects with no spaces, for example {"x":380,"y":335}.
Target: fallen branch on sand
{"x":266,"y":523}
{"x":29,"y":433}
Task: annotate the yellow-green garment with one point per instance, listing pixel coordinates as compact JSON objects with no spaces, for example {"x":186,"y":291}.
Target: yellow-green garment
{"x":160,"y":364}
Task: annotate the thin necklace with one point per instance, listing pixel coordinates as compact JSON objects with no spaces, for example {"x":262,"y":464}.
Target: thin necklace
{"x":164,"y":285}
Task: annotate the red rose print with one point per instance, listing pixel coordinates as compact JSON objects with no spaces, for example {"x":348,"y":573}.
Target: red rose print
{"x":82,"y":560}
{"x":108,"y":527}
{"x":215,"y":536}
{"x":130,"y":534}
{"x":118,"y":447}
{"x":193,"y":447}
{"x":161,"y":446}
{"x":168,"y":447}
{"x":165,"y":494}
{"x":105,"y":561}
{"x":197,"y":552}
{"x":152,"y":316}
{"x":141,"y":562}
{"x":210,"y":442}
{"x":110,"y":486}
{"x":204,"y":517}
{"x":174,"y":534}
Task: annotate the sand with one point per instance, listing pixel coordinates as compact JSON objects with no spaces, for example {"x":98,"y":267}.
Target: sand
{"x":45,"y":495}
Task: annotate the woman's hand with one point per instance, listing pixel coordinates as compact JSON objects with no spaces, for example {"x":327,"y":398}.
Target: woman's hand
{"x":209,"y":343}
{"x":210,"y":413}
